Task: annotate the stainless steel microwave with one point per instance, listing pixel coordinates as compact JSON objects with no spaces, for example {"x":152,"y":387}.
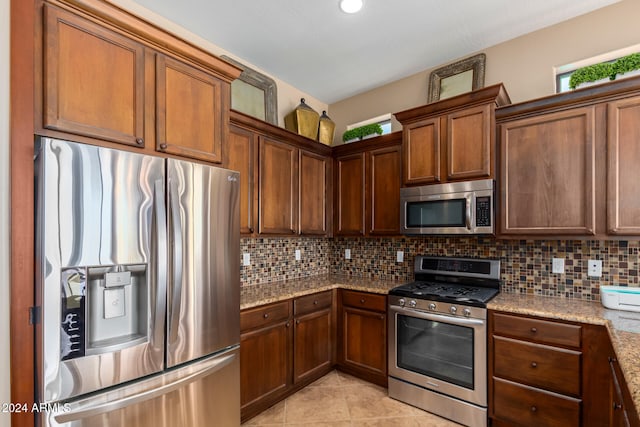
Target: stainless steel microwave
{"x":454,"y":208}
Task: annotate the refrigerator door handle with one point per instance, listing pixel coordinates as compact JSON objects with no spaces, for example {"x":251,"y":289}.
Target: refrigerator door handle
{"x":115,"y":405}
{"x":176,"y":298}
{"x":161,"y":269}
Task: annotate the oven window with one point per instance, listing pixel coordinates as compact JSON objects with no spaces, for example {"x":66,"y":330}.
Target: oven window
{"x":438,"y":213}
{"x":439,"y":350}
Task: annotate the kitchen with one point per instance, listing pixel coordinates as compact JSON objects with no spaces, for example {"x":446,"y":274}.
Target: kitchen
{"x":272,"y":258}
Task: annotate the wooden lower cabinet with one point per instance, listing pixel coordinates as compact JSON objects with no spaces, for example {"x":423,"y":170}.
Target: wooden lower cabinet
{"x":284,"y":346}
{"x":362,"y":335}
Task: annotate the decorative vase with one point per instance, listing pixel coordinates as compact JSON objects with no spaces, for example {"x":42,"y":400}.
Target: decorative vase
{"x":303,"y":120}
{"x":326,"y":129}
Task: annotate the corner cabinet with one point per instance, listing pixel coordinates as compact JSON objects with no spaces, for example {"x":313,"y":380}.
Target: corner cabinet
{"x":568,"y":164}
{"x":285,"y":179}
{"x":107,"y":76}
{"x":367,"y":187}
{"x":451,"y":140}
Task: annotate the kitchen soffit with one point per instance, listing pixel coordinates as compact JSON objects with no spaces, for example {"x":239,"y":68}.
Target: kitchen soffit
{"x":331,"y":55}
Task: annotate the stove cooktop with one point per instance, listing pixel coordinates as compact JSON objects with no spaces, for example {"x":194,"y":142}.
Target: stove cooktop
{"x":446,"y":292}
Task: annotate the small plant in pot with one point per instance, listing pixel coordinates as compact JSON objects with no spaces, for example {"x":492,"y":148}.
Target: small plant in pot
{"x":627,"y":63}
{"x":593,"y":73}
{"x":362,"y":132}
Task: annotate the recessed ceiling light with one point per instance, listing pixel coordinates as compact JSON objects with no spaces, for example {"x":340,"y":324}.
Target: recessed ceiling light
{"x":351,"y":6}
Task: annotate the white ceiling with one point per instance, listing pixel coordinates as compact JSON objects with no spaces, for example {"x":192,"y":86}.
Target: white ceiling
{"x":331,"y":56}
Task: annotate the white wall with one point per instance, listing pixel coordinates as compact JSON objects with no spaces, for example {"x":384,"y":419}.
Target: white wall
{"x":5,"y":396}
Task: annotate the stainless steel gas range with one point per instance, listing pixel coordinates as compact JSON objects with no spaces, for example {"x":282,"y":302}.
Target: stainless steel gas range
{"x":438,"y":337}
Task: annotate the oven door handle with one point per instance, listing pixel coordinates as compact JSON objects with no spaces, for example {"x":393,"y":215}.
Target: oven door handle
{"x":461,"y":321}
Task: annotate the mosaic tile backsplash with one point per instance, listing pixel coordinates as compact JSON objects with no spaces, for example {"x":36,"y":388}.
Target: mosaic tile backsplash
{"x":525,"y":264}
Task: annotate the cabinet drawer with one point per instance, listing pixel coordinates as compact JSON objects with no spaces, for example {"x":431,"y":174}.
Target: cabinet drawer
{"x":313,"y":302}
{"x":542,"y":331}
{"x":264,"y":315}
{"x":525,"y":406}
{"x":364,"y":300}
{"x":551,"y":368}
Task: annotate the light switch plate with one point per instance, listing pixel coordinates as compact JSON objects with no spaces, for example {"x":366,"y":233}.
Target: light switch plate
{"x":557,"y":266}
{"x":400,"y":256}
{"x":246,"y":259}
{"x":298,"y":255}
{"x":595,"y":268}
{"x":347,"y":254}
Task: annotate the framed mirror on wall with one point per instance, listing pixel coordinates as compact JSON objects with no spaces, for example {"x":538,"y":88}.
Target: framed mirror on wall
{"x":460,"y":77}
{"x":254,"y":94}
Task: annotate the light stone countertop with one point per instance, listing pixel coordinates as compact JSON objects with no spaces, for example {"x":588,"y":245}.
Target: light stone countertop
{"x":623,"y":326}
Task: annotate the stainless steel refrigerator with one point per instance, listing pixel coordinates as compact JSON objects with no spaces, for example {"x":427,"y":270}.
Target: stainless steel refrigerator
{"x":138,"y":289}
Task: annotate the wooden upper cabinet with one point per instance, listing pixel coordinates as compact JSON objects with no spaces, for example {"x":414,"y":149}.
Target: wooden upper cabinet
{"x":278,"y":187}
{"x":384,"y":197}
{"x":242,"y":156}
{"x":313,"y":179}
{"x":422,"y":152}
{"x":623,"y":193}
{"x":453,"y":139}
{"x":469,"y":143}
{"x":93,"y":80}
{"x":350,"y":195}
{"x":547,"y":174}
{"x":189,"y":111}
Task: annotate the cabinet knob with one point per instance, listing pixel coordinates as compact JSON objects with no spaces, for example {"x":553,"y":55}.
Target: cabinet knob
{"x":617,"y":406}
{"x":534,"y":330}
{"x":266,"y":315}
{"x":287,"y":324}
{"x":139,"y":141}
{"x":251,"y":230}
{"x":163,"y":146}
{"x":315,"y":302}
{"x":534,"y":365}
{"x":534,"y":409}
{"x":382,"y":317}
{"x":362,"y":301}
{"x":297,"y":322}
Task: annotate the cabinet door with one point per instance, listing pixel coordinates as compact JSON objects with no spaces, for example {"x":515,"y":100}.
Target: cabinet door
{"x":313,"y":173}
{"x":278,"y":182}
{"x":469,"y":143}
{"x":384,"y":195}
{"x":547,"y":174}
{"x":189,"y":111}
{"x":363,"y":346}
{"x":623,"y":195}
{"x":421,"y":148}
{"x":312,"y":345}
{"x":265,"y":363}
{"x":93,"y":80}
{"x":350,"y":195}
{"x":242,"y":156}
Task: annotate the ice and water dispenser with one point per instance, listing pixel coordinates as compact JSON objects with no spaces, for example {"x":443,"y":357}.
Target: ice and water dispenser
{"x":104,"y":308}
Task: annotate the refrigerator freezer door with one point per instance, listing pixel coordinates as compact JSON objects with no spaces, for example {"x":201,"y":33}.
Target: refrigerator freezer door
{"x":101,"y":229}
{"x":205,"y":393}
{"x":203,"y":308}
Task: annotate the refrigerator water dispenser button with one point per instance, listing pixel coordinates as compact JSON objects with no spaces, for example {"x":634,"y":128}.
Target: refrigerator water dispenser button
{"x":121,"y":278}
{"x":114,"y":303}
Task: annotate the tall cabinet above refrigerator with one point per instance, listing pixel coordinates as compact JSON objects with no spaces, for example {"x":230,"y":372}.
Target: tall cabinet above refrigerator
{"x":138,"y":287}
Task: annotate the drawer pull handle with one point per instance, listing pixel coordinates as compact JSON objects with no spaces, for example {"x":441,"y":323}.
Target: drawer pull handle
{"x":534,"y":409}
{"x":266,"y":315}
{"x":362,"y":301}
{"x":534,"y":365}
{"x":534,"y":330}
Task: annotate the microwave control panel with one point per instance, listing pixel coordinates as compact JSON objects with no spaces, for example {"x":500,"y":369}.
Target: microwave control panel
{"x":483,"y":211}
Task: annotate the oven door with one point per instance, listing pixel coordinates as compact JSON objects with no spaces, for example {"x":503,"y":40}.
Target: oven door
{"x":442,"y":353}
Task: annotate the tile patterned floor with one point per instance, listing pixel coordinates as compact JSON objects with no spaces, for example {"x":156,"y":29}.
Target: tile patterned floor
{"x":340,"y":400}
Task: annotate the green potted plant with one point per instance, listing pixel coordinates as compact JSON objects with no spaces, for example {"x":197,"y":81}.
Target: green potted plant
{"x":627,"y":64}
{"x":362,"y":132}
{"x":592,"y":73}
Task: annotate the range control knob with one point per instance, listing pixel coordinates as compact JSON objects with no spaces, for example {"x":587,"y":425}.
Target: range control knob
{"x":466,"y":312}
{"x":432,"y":306}
{"x":401,"y":301}
{"x":412,"y":303}
{"x":453,"y":309}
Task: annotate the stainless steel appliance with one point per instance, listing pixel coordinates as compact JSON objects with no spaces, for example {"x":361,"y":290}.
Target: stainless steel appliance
{"x":138,"y":287}
{"x":438,"y":337}
{"x":455,"y":208}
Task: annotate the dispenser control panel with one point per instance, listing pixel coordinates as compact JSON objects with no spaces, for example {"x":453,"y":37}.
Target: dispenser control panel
{"x":72,"y":324}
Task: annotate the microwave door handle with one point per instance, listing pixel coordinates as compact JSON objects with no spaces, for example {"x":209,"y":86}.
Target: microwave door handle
{"x":176,"y":298}
{"x":468,"y":213}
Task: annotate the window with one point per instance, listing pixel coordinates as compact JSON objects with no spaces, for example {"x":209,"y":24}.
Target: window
{"x":384,"y":121}
{"x":563,"y":72}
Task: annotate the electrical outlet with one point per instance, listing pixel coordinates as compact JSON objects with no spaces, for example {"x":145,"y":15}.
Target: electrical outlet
{"x":557,"y":265}
{"x":400,"y":256}
{"x":298,"y":255}
{"x":595,"y":268}
{"x":347,"y":254}
{"x":246,"y":259}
